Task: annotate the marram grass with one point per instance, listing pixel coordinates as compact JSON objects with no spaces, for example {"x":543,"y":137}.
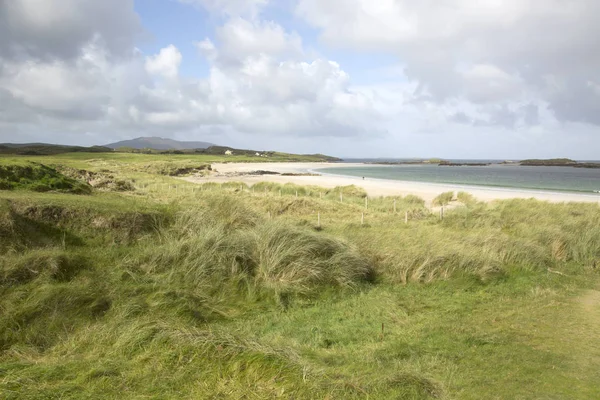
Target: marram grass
{"x":222,"y":292}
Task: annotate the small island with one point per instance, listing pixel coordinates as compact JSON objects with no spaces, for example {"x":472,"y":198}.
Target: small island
{"x":558,"y":162}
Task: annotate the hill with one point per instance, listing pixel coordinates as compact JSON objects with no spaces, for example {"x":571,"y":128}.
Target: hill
{"x":44,"y":149}
{"x":158,"y":143}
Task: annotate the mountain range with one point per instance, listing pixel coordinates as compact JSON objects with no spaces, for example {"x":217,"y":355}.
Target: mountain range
{"x":158,"y":143}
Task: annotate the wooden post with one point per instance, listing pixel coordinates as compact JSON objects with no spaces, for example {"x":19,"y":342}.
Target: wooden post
{"x":406,"y":217}
{"x":341,"y":197}
{"x":269,"y":214}
{"x":394,"y":206}
{"x":362,"y":219}
{"x":319,"y":219}
{"x":366,"y":203}
{"x":241,"y":188}
{"x":442,"y":212}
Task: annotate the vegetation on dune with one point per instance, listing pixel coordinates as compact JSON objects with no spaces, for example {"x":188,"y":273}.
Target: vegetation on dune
{"x":175,"y":168}
{"x":102,"y":180}
{"x":39,"y":178}
{"x":466,"y":198}
{"x":227,"y":291}
{"x":443,"y":199}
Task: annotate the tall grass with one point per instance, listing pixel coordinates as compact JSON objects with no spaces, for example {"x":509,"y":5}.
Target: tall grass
{"x":220,"y":292}
{"x":443,"y":199}
{"x":227,"y":243}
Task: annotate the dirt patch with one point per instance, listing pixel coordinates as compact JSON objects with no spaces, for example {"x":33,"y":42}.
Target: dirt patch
{"x":591,"y":304}
{"x":175,"y":169}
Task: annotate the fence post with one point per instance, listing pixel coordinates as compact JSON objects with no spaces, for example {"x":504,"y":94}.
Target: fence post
{"x":319,"y":219}
{"x":394,"y":206}
{"x":406,"y":217}
{"x":362,"y":219}
{"x":367,"y":203}
{"x":341,"y":197}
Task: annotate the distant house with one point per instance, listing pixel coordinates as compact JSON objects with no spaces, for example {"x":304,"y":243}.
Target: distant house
{"x":257,"y":154}
{"x":228,"y":152}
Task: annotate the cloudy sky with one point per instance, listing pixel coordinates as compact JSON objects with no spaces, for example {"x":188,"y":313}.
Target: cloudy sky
{"x":352,"y":78}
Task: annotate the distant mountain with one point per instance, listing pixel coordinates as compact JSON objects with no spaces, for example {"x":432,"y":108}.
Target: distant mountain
{"x":41,"y":149}
{"x":20,"y":145}
{"x":158,"y":143}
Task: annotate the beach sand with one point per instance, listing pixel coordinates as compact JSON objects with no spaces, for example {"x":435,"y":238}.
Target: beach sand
{"x":374,"y":187}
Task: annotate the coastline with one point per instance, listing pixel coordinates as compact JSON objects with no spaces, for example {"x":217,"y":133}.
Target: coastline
{"x":375,"y":187}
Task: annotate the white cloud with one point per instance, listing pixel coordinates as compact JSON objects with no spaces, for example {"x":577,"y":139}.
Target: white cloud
{"x":493,"y":71}
{"x":166,"y":63}
{"x":73,"y":65}
{"x":47,"y":30}
{"x":490,"y":51}
{"x":240,"y":38}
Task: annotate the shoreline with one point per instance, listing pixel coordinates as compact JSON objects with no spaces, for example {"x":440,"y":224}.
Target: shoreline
{"x":375,"y":187}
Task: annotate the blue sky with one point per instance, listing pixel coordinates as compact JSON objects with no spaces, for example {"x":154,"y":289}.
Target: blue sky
{"x":160,"y":18}
{"x":357,"y":78}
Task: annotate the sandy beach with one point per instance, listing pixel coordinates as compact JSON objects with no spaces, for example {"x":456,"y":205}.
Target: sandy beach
{"x":374,"y":187}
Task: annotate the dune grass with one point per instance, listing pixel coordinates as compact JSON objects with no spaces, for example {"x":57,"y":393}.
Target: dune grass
{"x":38,"y":178}
{"x":222,"y":291}
{"x":443,"y":199}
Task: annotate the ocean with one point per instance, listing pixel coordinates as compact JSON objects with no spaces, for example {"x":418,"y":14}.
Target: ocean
{"x":561,"y":179}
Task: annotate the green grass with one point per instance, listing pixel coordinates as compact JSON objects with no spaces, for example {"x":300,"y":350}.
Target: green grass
{"x":222,"y":291}
{"x":38,"y":178}
{"x":443,"y":199}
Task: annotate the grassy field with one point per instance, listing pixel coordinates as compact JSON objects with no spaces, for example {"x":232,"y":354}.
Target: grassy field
{"x":175,"y":290}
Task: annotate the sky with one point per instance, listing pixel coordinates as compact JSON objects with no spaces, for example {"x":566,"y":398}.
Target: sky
{"x":351,"y":78}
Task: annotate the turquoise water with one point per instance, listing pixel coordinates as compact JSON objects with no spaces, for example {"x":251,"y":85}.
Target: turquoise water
{"x":565,"y":179}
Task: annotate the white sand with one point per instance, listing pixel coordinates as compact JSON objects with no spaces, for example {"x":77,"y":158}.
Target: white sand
{"x":375,"y":187}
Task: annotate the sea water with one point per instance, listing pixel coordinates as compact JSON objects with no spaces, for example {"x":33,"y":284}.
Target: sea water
{"x":567,"y":179}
